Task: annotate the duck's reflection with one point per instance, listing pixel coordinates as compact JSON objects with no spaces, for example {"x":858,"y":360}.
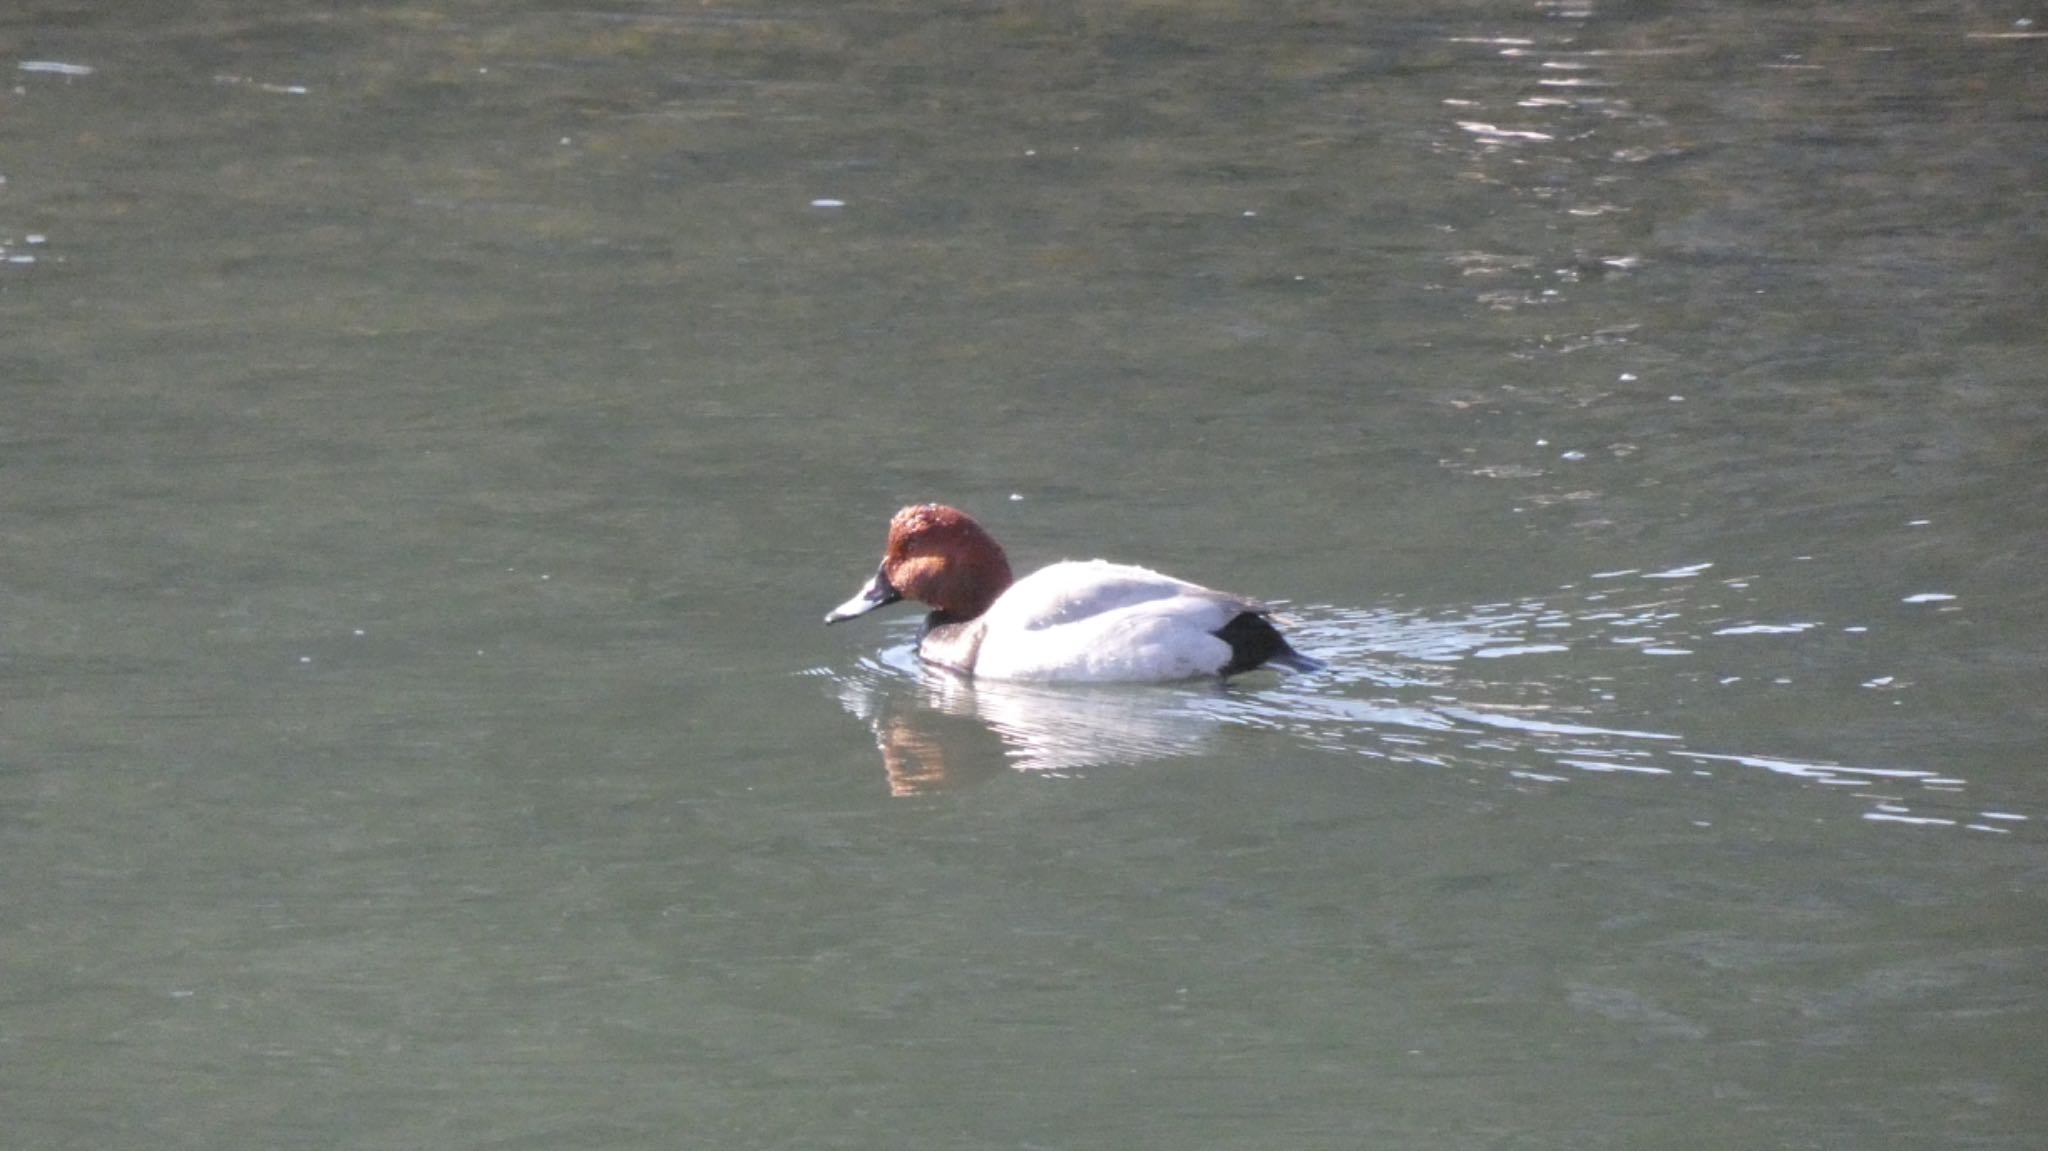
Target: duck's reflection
{"x":914,"y":755}
{"x":938,"y":730}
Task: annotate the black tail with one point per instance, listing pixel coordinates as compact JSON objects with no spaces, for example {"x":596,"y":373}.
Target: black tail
{"x":1255,"y":642}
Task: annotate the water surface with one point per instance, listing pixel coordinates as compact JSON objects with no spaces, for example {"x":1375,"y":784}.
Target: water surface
{"x":431,"y":434}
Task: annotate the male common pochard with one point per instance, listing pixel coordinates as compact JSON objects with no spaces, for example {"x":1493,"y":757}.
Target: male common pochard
{"x":1074,"y":621}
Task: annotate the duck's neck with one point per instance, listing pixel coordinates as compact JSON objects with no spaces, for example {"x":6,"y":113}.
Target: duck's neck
{"x":971,"y":590}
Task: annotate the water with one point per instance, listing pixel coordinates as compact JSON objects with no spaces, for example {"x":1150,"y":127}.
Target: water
{"x":431,"y":435}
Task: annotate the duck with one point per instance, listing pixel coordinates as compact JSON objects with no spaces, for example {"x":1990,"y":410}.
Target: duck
{"x":1077,"y":621}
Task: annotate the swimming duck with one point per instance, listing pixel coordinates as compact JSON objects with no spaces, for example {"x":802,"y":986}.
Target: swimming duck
{"x":1074,"y":621}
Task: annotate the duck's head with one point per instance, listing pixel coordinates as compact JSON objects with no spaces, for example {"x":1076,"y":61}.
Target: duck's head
{"x":938,"y":556}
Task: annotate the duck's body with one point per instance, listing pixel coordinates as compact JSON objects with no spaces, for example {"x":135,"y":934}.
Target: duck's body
{"x":1074,"y":621}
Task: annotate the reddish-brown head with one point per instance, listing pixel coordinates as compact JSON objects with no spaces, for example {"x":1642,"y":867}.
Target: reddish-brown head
{"x":939,"y":556}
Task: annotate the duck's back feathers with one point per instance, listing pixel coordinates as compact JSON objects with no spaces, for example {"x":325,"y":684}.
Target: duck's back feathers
{"x":1072,"y":590}
{"x":1092,"y":620}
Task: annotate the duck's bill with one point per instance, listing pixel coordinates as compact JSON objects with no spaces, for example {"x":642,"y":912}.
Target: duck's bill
{"x":876,"y":594}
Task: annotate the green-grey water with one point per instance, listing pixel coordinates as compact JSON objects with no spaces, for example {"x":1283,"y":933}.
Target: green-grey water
{"x":429,"y":436}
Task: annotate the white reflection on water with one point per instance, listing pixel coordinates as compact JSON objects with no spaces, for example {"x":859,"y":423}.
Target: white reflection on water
{"x":1040,"y":728}
{"x":1526,"y":686}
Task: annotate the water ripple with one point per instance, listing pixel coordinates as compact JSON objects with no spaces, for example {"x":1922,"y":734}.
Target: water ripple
{"x":1525,"y":688}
